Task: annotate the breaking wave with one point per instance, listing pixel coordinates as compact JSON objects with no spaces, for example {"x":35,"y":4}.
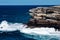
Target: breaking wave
{"x":35,"y":33}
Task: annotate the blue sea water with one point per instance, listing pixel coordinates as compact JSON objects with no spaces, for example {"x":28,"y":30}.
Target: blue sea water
{"x":19,"y":14}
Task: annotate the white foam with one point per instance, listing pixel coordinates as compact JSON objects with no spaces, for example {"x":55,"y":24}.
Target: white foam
{"x":5,"y":26}
{"x":22,"y":28}
{"x":43,"y":31}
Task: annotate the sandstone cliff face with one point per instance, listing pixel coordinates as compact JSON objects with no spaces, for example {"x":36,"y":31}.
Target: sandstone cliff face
{"x":45,"y":17}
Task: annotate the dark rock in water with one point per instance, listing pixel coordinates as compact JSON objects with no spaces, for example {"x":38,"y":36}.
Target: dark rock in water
{"x":44,"y":23}
{"x":45,"y":17}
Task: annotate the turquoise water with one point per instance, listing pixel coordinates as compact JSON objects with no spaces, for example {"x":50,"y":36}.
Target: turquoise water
{"x":43,"y":37}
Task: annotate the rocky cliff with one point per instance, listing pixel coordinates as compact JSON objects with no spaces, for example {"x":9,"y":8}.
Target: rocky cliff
{"x":45,"y":17}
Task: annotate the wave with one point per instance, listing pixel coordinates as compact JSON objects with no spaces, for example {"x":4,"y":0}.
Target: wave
{"x":6,"y":26}
{"x":35,"y":33}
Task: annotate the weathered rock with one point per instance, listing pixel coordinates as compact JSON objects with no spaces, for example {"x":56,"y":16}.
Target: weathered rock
{"x":45,"y":17}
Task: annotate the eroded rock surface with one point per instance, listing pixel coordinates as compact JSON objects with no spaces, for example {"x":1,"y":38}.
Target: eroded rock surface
{"x":45,"y":17}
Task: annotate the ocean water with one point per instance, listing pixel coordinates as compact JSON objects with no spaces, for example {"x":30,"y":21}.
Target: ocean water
{"x":17,"y":13}
{"x":20,"y":14}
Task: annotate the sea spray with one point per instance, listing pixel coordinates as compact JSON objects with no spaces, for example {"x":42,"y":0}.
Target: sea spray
{"x":41,"y":33}
{"x":35,"y":33}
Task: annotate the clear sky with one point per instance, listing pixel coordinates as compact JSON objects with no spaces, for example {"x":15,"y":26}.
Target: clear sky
{"x":29,"y":2}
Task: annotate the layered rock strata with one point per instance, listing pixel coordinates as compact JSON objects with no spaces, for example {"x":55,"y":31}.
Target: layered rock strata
{"x":45,"y":17}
